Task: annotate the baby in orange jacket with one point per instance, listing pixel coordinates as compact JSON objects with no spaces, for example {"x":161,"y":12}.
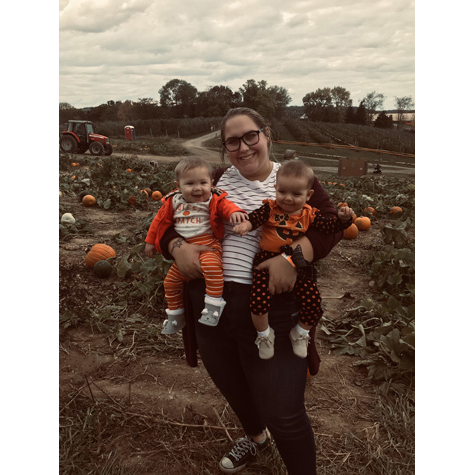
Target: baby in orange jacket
{"x":196,"y":210}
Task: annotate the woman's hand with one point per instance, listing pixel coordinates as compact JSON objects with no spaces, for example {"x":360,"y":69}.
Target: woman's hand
{"x":282,"y":275}
{"x":187,"y":257}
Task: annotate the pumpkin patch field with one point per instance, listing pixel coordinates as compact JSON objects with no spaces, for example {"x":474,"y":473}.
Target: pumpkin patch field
{"x":130,"y":404}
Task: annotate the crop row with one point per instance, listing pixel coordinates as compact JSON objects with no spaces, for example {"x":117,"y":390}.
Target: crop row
{"x":400,"y":141}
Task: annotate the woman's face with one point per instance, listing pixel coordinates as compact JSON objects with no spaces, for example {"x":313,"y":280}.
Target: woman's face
{"x":252,"y":161}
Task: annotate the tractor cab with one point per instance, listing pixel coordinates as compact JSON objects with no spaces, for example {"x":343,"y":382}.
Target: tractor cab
{"x":80,"y":136}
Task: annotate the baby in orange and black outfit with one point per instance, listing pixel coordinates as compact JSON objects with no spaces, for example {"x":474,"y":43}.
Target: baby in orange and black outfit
{"x":284,"y":220}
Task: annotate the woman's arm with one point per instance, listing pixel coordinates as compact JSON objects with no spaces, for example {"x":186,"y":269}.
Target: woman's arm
{"x":321,"y":243}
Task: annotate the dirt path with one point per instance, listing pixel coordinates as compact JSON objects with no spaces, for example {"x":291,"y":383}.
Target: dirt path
{"x":196,"y":147}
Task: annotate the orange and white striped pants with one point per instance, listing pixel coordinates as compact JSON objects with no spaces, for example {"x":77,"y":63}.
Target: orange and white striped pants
{"x":211,"y":265}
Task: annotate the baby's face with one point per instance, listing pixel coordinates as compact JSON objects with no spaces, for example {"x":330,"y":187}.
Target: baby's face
{"x":195,"y":185}
{"x":291,"y":193}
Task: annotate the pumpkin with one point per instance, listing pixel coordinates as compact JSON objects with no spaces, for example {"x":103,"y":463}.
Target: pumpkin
{"x":75,"y":164}
{"x":353,"y":217}
{"x":351,"y":232}
{"x":340,"y":204}
{"x":83,"y":194}
{"x":148,"y":190}
{"x":67,"y":218}
{"x":370,"y":209}
{"x":88,"y":200}
{"x":128,"y":170}
{"x":98,"y":252}
{"x":363,"y":223}
{"x":102,"y":269}
{"x":132,"y":200}
{"x":144,"y":191}
{"x":396,"y":211}
{"x":156,"y":195}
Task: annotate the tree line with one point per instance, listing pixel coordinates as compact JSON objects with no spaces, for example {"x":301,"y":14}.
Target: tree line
{"x":179,"y":99}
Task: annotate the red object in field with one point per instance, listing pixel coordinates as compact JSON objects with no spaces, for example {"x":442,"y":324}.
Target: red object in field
{"x":129,"y":132}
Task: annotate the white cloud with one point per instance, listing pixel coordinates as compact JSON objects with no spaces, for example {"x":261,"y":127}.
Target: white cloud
{"x":131,"y":49}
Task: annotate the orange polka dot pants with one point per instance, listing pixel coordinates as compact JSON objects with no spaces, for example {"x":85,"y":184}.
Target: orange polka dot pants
{"x":305,"y":290}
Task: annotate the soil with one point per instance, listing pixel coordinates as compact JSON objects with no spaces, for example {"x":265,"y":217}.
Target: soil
{"x":338,"y":399}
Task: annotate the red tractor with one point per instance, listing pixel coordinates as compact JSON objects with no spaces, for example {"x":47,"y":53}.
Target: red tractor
{"x":80,"y":137}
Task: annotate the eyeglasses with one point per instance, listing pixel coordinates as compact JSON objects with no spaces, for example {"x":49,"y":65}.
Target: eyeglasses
{"x":249,"y":138}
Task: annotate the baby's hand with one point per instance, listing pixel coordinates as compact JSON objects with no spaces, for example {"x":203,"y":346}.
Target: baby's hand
{"x":243,"y":228}
{"x":238,"y":217}
{"x":149,"y":249}
{"x":345,"y":213}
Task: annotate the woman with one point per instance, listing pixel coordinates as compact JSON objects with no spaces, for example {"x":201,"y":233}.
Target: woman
{"x":263,"y":393}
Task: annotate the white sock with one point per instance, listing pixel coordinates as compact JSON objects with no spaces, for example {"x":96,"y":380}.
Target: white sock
{"x":214,"y":300}
{"x":302,"y":330}
{"x":264,"y":333}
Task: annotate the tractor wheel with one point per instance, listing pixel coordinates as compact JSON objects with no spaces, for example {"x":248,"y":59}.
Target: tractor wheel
{"x":69,"y":144}
{"x":108,"y":150}
{"x":96,"y":148}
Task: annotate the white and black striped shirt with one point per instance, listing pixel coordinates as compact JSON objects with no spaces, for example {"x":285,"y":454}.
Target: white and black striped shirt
{"x":239,"y":251}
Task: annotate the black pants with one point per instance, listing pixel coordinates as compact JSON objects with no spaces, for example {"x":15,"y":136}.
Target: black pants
{"x":262,"y":393}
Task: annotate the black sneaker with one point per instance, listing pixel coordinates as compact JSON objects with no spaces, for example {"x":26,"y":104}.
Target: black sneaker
{"x":243,"y":452}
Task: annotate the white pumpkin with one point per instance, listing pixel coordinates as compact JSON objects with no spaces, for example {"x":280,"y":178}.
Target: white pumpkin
{"x":67,"y":218}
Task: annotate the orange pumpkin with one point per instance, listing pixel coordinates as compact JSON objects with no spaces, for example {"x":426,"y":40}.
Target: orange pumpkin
{"x":370,"y":209}
{"x":363,"y":223}
{"x":132,"y":200}
{"x":128,"y":170}
{"x":89,"y":200}
{"x":396,"y":211}
{"x":156,"y":195}
{"x":98,"y":252}
{"x":148,"y":190}
{"x":351,"y":232}
{"x":353,"y":217}
{"x":340,"y":204}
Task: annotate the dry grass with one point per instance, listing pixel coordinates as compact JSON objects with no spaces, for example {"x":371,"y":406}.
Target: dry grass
{"x":104,"y":435}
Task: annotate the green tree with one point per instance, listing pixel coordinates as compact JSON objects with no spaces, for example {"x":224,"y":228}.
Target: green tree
{"x":177,"y":97}
{"x":341,"y":102}
{"x":383,"y":121}
{"x":146,"y":108}
{"x":403,"y":104}
{"x":269,"y":101}
{"x":327,"y":104}
{"x":361,"y":114}
{"x":68,"y":112}
{"x":317,"y":104}
{"x":216,"y":101}
{"x":373,"y":101}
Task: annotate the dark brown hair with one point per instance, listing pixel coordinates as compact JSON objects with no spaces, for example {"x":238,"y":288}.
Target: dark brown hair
{"x":253,"y":115}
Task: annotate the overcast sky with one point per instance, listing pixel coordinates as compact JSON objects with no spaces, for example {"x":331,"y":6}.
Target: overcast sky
{"x":112,"y":50}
